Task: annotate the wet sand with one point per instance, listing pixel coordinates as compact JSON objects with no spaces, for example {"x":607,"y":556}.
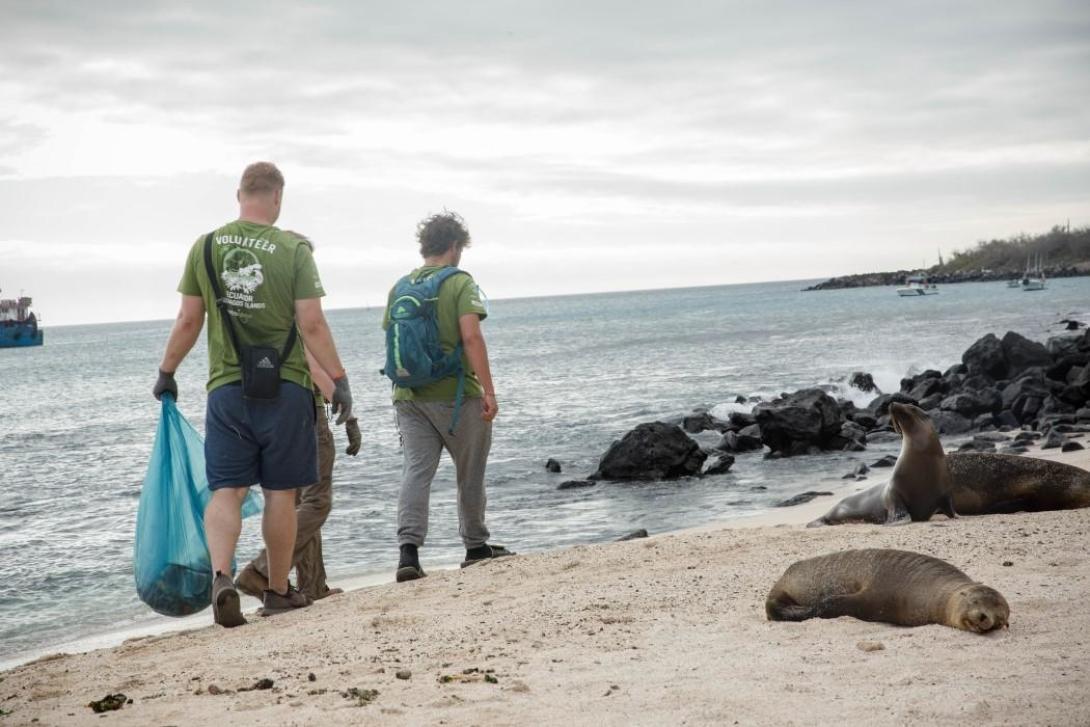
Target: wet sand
{"x":667,"y":630}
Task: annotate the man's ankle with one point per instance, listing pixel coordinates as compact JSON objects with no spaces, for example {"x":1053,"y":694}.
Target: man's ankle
{"x":409,"y":554}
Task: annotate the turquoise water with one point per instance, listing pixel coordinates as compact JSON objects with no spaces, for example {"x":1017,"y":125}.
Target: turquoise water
{"x":573,"y":374}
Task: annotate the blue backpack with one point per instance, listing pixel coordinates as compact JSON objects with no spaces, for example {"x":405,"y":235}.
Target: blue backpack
{"x":414,"y":357}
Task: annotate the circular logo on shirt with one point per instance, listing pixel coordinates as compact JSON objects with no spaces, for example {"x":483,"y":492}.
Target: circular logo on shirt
{"x":242,"y":271}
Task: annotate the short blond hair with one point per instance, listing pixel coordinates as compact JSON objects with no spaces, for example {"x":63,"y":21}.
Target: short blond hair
{"x":261,"y":178}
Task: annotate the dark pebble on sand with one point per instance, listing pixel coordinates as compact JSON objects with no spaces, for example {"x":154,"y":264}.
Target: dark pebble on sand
{"x":404,"y":674}
{"x":1071,"y":447}
{"x":641,"y":533}
{"x":1008,"y":563}
{"x":888,"y":461}
{"x":109,"y":703}
{"x":312,"y":677}
{"x":553,"y":466}
{"x":259,"y":685}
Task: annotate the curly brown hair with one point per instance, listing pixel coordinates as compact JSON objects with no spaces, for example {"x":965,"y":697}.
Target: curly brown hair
{"x":439,"y":233}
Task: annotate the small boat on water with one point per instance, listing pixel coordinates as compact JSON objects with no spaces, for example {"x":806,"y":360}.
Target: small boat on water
{"x":917,"y":285}
{"x":1034,"y":279}
{"x":18,"y":325}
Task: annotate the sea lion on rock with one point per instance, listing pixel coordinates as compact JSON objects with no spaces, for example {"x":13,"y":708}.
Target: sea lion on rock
{"x":892,"y":586}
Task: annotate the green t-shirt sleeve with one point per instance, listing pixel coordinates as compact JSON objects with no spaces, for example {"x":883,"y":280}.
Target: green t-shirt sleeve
{"x":469,"y":298}
{"x":189,"y":284}
{"x":307,"y":282}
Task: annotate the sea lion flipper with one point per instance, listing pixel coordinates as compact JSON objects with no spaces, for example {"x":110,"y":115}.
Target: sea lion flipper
{"x":850,"y":604}
{"x":896,"y":512}
{"x":946,"y":507}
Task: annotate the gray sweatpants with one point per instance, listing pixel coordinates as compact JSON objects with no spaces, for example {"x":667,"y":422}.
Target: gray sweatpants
{"x":425,"y":434}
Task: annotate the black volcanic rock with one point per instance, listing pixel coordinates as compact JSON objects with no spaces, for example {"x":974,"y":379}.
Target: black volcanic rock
{"x":986,"y":357}
{"x":1022,"y":353}
{"x":880,"y":406}
{"x":719,"y":464}
{"x":864,"y":382}
{"x":952,"y":423}
{"x":800,"y":499}
{"x":575,"y":484}
{"x":652,"y":451}
{"x":799,"y":422}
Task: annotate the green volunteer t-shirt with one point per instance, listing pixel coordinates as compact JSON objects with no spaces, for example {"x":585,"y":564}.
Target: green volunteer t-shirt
{"x":262,"y":271}
{"x":458,"y":296}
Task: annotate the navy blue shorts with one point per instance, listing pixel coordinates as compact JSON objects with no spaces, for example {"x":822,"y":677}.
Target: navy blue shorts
{"x":272,"y":443}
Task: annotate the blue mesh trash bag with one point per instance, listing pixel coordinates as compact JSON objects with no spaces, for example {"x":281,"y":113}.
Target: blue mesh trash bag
{"x":170,"y":555}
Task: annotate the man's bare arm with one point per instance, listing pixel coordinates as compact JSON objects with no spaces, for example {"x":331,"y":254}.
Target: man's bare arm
{"x":317,"y":337}
{"x":469,"y":326}
{"x":187,"y":328}
{"x":319,"y":341}
{"x":323,"y":380}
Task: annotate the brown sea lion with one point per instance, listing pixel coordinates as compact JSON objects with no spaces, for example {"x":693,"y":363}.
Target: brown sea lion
{"x":983,"y":483}
{"x":893,"y":586}
{"x":920,"y":485}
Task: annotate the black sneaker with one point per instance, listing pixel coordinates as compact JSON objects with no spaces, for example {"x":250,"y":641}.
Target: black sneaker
{"x":225,"y":604}
{"x":275,"y":603}
{"x":408,"y":565}
{"x":485,"y":552}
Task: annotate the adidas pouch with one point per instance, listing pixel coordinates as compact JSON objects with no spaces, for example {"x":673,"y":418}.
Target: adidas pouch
{"x":260,"y":372}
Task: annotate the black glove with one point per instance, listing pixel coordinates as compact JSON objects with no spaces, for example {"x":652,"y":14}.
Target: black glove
{"x":342,"y":399}
{"x":352,"y":429}
{"x":165,"y":384}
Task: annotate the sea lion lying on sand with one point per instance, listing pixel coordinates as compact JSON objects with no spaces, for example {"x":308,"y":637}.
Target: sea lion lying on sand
{"x":981,"y":484}
{"x":893,"y":586}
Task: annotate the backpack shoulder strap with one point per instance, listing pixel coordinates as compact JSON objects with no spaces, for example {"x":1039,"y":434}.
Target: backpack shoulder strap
{"x":217,"y":294}
{"x":435,"y":281}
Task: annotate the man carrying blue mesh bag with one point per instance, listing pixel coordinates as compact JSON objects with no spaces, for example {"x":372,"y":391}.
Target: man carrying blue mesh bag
{"x":260,"y":288}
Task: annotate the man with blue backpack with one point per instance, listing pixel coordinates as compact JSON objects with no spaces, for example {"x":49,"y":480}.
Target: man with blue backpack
{"x":443,"y":393}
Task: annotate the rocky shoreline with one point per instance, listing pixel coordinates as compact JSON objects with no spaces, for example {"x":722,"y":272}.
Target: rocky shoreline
{"x":1008,"y":390}
{"x":867,"y":280}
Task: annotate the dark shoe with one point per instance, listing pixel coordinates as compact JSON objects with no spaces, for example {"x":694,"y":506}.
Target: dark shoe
{"x":251,"y":582}
{"x":408,"y":566}
{"x":326,"y":593}
{"x":485,"y":552}
{"x":225,"y":607}
{"x":283,"y":602}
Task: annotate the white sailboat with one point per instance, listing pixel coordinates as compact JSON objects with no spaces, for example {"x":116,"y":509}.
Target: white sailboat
{"x":1034,"y":278}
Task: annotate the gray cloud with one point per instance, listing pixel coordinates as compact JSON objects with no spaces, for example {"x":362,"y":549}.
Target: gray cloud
{"x":605,"y":124}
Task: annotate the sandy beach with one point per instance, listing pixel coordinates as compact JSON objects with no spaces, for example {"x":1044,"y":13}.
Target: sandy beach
{"x":666,"y":630}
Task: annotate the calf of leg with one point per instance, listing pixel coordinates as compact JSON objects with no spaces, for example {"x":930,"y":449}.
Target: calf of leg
{"x":278,"y":528}
{"x":222,"y":525}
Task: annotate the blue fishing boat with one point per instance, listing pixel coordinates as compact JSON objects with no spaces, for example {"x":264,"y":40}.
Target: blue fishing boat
{"x":18,"y":325}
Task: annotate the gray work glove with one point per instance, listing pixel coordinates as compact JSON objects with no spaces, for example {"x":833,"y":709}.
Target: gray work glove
{"x":165,"y":384}
{"x":342,"y":399}
{"x":352,"y":429}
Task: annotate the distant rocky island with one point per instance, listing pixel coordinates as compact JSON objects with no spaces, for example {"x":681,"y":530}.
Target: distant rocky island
{"x":1064,"y":253}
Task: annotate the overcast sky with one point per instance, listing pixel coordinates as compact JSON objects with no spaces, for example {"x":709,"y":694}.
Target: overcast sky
{"x":590,"y":145}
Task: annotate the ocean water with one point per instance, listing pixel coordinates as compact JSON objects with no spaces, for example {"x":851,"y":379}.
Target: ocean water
{"x":573,"y":374}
